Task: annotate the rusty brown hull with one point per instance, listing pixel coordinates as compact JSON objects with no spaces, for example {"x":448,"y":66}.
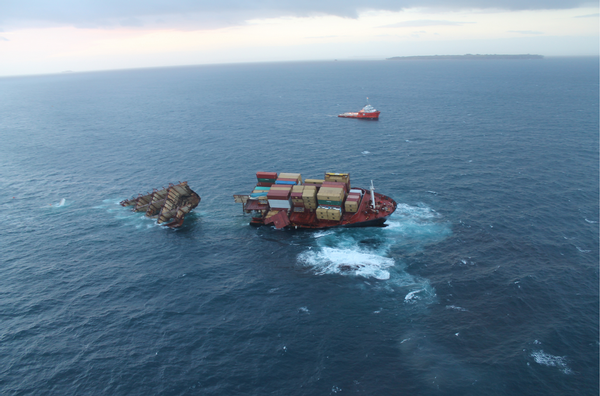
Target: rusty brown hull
{"x":168,"y":205}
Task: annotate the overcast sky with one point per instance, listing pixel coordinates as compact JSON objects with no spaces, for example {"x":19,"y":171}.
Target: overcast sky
{"x":39,"y":36}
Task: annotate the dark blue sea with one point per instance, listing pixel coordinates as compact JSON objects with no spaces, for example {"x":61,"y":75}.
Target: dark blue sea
{"x":484,"y":282}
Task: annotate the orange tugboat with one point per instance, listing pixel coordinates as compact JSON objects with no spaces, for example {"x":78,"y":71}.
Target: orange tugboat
{"x":286,"y":201}
{"x":367,"y":113}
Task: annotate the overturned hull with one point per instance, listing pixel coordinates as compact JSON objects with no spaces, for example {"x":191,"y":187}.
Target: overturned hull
{"x":168,"y":205}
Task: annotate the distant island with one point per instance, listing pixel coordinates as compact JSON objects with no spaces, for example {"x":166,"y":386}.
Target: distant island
{"x":466,"y":57}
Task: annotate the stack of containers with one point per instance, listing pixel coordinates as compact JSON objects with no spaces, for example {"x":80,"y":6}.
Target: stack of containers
{"x":309,"y":197}
{"x":330,"y":201}
{"x":289,"y":178}
{"x":260,"y":193}
{"x":338,"y":177}
{"x":297,"y":198}
{"x":336,"y":185}
{"x":266,"y":179}
{"x":280,"y":197}
{"x":353,"y":200}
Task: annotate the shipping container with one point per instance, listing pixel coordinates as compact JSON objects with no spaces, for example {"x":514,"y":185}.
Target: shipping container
{"x":335,"y":184}
{"x":338,"y":177}
{"x":278,"y":194}
{"x":321,"y":213}
{"x":266,"y":175}
{"x":334,"y":214}
{"x":286,"y":181}
{"x":331,"y":194}
{"x":326,"y":202}
{"x":280,"y":203}
{"x":351,"y":206}
{"x":313,"y":182}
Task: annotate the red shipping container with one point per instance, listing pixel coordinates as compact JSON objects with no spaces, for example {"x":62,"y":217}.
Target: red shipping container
{"x":264,"y":184}
{"x":266,"y":175}
{"x":279,"y":194}
{"x":299,"y":204}
{"x":353,"y":198}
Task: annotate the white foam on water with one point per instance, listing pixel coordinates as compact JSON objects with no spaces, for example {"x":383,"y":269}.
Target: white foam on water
{"x":456,"y":308}
{"x":546,"y":359}
{"x":321,"y":234}
{"x":582,"y":250}
{"x":344,"y":261}
{"x":365,"y":252}
{"x":61,"y":203}
{"x":425,"y":294}
{"x":365,"y":152}
{"x":304,"y":310}
{"x":590,"y":221}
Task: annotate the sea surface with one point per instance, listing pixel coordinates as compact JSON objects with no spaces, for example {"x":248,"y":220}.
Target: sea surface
{"x":484,"y":282}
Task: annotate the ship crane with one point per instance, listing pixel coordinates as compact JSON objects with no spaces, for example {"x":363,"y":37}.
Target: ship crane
{"x":372,"y":196}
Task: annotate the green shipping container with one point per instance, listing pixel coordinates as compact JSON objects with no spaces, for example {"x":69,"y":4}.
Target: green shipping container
{"x":330,"y":203}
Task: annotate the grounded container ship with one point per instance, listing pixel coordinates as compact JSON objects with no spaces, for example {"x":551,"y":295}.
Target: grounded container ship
{"x":285,"y":200}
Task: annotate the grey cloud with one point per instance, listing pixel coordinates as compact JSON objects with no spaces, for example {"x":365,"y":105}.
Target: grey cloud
{"x":211,"y":14}
{"x":588,"y":16}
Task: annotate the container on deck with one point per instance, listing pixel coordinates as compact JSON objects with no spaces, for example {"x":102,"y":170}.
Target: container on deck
{"x":266,"y":175}
{"x":313,"y":182}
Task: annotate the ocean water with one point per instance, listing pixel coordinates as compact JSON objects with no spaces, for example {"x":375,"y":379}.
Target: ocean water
{"x":485,"y":281}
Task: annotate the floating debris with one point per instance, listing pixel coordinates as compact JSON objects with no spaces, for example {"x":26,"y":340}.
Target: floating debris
{"x":166,"y":205}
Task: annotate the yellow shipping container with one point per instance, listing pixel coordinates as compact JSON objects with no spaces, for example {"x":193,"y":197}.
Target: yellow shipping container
{"x":331,"y":194}
{"x":309,"y":194}
{"x":334,"y":214}
{"x":297,"y":189}
{"x":314,"y":181}
{"x":295,"y":176}
{"x":322,"y":213}
{"x":351,"y":206}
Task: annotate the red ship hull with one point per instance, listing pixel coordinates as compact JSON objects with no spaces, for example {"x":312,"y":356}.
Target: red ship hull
{"x":366,"y":216}
{"x":361,"y":115}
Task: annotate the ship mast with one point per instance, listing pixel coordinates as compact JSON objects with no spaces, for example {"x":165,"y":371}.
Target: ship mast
{"x":372,"y":195}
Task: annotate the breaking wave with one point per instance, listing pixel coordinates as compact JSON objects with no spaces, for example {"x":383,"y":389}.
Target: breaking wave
{"x":366,"y":252}
{"x":353,"y":261}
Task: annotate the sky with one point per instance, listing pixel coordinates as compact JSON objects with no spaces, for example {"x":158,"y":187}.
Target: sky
{"x":41,"y":36}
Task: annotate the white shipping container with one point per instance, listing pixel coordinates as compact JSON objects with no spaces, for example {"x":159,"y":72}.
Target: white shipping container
{"x":280,"y":204}
{"x":356,"y":190}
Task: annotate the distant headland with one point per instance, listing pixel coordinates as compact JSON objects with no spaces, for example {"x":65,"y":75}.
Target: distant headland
{"x":467,"y":57}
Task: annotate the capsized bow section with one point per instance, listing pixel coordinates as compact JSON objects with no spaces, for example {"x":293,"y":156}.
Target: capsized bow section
{"x":168,"y":205}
